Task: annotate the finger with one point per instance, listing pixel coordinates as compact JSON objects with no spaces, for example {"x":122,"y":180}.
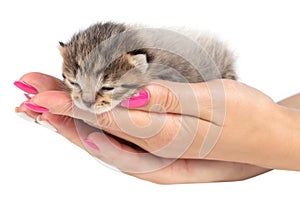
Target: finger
{"x":39,"y":82}
{"x":23,"y":109}
{"x":56,"y":102}
{"x":60,"y":103}
{"x":179,"y":171}
{"x":165,"y":171}
{"x":202,"y":171}
{"x":124,"y":157}
{"x":72,"y":129}
{"x":195,"y":99}
{"x":165,"y":135}
{"x":152,"y":131}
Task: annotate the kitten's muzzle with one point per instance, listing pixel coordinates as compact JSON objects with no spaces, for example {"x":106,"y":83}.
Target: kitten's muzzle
{"x":88,"y":103}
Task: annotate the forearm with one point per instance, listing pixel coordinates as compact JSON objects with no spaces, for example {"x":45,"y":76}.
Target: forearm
{"x":291,"y":102}
{"x":286,"y":139}
{"x":291,"y":137}
{"x":268,"y":137}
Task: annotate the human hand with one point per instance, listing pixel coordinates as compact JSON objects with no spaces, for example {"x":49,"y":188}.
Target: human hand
{"x":246,"y":126}
{"x":250,"y":132}
{"x":234,"y":123}
{"x":126,"y":158}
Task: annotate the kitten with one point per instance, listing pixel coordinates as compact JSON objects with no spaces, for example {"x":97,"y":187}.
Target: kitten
{"x":109,"y":62}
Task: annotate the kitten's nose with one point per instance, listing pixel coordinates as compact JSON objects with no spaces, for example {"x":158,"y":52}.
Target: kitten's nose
{"x":88,"y":103}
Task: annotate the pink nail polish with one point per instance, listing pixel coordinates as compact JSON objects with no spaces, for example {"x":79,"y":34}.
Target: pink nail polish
{"x":138,"y":100}
{"x":25,"y":87}
{"x":27,"y":96}
{"x":35,"y":107}
{"x":91,"y":144}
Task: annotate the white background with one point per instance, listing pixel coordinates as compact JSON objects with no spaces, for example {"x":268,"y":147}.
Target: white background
{"x":39,"y":164}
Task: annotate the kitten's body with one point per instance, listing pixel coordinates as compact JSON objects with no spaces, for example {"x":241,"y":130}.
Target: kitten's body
{"x":107,"y":63}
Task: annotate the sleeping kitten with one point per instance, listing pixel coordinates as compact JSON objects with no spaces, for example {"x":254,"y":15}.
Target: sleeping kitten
{"x":109,"y":62}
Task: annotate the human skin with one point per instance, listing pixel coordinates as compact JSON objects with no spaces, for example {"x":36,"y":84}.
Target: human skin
{"x":238,"y":142}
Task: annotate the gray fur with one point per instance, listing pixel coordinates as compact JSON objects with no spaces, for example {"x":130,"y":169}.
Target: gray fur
{"x":109,"y":62}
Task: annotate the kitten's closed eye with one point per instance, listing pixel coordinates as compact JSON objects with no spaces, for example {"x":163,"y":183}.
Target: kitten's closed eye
{"x":107,"y":88}
{"x":75,"y":85}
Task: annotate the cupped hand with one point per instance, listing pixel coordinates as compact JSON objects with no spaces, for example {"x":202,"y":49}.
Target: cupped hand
{"x":134,"y":161}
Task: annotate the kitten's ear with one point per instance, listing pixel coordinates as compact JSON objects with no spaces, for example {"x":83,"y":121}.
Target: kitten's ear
{"x":62,"y":48}
{"x":62,"y":44}
{"x":140,"y":61}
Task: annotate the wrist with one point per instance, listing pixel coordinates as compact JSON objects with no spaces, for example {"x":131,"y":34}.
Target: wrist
{"x":284,"y":139}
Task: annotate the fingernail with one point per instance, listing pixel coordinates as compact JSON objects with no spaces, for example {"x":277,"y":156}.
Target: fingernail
{"x":45,"y":123}
{"x":35,"y":107}
{"x":91,"y":144}
{"x":24,"y":116}
{"x":25,"y":87}
{"x":138,"y":100}
{"x":28,"y":96}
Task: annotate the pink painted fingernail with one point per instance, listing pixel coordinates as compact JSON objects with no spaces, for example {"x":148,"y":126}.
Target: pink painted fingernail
{"x":28,"y":96}
{"x":35,"y":107}
{"x":91,"y":144}
{"x":136,"y":101}
{"x":25,"y":87}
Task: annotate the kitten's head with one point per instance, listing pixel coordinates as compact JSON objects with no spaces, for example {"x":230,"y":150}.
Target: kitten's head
{"x":96,"y":84}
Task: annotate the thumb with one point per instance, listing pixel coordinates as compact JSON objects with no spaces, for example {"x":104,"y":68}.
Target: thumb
{"x":194,"y":99}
